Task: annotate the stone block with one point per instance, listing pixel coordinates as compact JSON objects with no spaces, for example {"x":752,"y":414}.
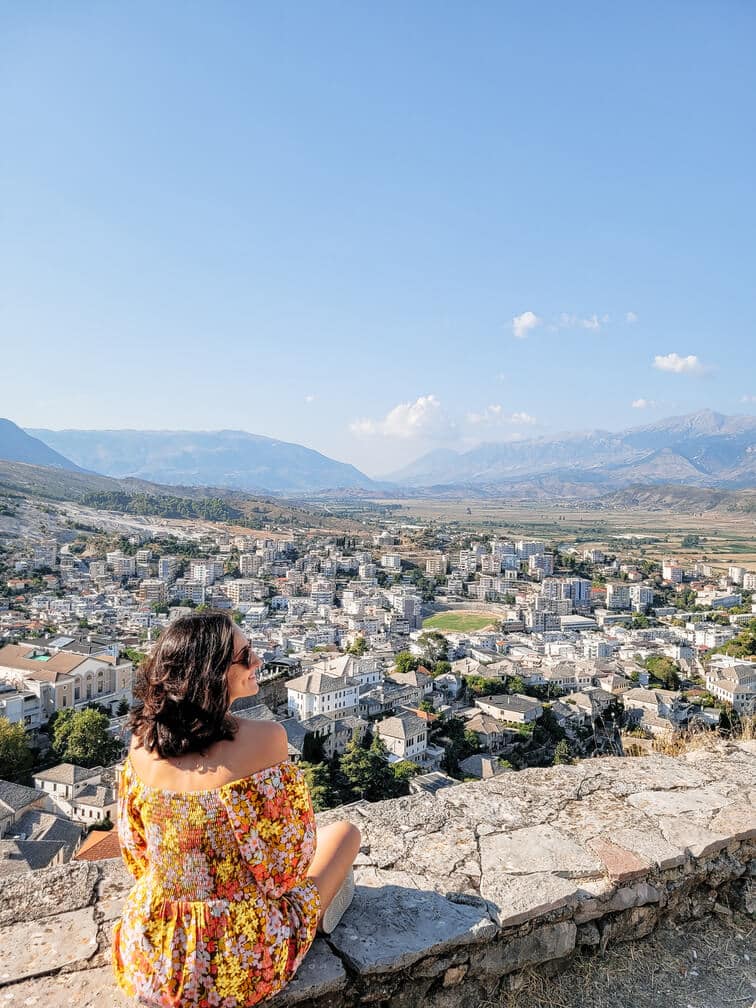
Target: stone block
{"x":536,"y":849}
{"x":649,"y":845}
{"x":388,"y":929}
{"x":676,"y":803}
{"x":321,"y":973}
{"x":542,"y":944}
{"x":93,"y":988}
{"x":621,"y":864}
{"x":59,"y":889}
{"x":41,"y":946}
{"x":737,"y":821}
{"x":516,"y":899}
{"x":699,"y":842}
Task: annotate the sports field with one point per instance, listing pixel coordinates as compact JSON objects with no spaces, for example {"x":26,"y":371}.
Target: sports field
{"x":462,"y":622}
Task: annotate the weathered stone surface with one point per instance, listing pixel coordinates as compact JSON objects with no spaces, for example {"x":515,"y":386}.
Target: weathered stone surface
{"x":552,"y":941}
{"x":651,"y":846}
{"x":86,"y":989}
{"x":320,"y":973}
{"x":35,"y":947}
{"x":519,"y":898}
{"x":675,"y":803}
{"x":53,"y":890}
{"x":621,"y":864}
{"x":389,"y":929}
{"x":699,"y":842}
{"x":737,"y":821}
{"x":536,"y":849}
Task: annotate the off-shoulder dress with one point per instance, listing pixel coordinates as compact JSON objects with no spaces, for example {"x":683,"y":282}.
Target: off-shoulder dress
{"x":222,"y":912}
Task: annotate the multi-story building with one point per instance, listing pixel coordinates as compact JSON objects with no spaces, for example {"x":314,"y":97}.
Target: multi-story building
{"x":153,"y":590}
{"x":167,"y":568}
{"x":641,"y":598}
{"x":672,"y":571}
{"x":405,"y":736}
{"x":617,"y":595}
{"x":318,"y":693}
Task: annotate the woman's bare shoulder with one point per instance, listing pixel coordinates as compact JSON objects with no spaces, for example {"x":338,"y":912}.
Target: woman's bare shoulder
{"x":260,"y":744}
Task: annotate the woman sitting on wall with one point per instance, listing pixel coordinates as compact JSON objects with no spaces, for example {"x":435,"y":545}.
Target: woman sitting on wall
{"x":216,"y":826}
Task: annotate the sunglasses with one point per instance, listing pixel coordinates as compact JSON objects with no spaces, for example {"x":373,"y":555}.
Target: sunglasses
{"x":245,"y":658}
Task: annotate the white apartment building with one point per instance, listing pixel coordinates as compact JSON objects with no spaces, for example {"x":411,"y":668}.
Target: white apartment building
{"x":541,"y":563}
{"x":437,"y":566}
{"x":167,"y":568}
{"x":736,"y":574}
{"x":44,"y":553}
{"x":154,"y":590}
{"x":672,"y":571}
{"x":249,"y":564}
{"x":526,"y":548}
{"x":641,"y":597}
{"x":391,"y":562}
{"x":617,"y":596}
{"x":749,"y":581}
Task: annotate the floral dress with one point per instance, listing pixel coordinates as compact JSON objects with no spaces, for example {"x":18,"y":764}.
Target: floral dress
{"x":221,"y":912}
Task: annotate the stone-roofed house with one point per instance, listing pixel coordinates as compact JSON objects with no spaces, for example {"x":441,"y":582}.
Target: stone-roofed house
{"x":511,"y":707}
{"x":318,"y":693}
{"x":64,"y":782}
{"x":481,"y":766}
{"x":94,"y":803}
{"x":36,"y":824}
{"x":15,"y":800}
{"x":493,"y":735}
{"x":405,"y":736}
{"x":17,"y":856}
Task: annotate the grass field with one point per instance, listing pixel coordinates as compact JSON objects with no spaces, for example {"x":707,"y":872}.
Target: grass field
{"x":462,"y":622}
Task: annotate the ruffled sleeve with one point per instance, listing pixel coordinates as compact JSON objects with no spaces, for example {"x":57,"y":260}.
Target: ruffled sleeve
{"x":130,"y":827}
{"x":274,"y":824}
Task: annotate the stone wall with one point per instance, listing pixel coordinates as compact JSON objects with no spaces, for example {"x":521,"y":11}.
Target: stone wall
{"x":458,"y":893}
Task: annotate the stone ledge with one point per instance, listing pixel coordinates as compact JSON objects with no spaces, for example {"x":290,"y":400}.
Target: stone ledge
{"x":457,"y":893}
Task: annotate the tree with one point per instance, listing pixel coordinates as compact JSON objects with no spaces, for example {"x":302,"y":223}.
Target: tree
{"x":435,"y":647}
{"x":82,"y":737}
{"x":441,"y":668}
{"x":318,"y":781}
{"x":562,"y":753}
{"x":313,"y":750}
{"x":356,"y":766}
{"x":358,"y":647}
{"x":405,"y":770}
{"x":16,"y":758}
{"x":123,"y":708}
{"x":405,"y":661}
{"x":515,"y":685}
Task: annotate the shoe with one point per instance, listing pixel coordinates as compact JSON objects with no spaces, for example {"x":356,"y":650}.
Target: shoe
{"x":338,"y":905}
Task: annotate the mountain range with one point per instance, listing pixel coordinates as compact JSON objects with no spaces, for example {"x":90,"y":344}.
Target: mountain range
{"x":227,"y":458}
{"x":700,"y":449}
{"x":704,"y":449}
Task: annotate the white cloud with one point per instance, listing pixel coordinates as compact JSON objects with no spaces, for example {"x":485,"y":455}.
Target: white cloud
{"x":642,"y":403}
{"x":631,"y":317}
{"x":423,"y":418}
{"x":568,"y":320}
{"x":309,"y":398}
{"x":679,"y":365}
{"x":748,"y":398}
{"x":522,"y":324}
{"x":494,"y":416}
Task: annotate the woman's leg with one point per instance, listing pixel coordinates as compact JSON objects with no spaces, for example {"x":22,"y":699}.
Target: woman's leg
{"x":337,"y":848}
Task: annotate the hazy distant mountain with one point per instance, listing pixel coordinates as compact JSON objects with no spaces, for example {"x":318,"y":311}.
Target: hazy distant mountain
{"x":227,"y":458}
{"x":18,"y":446}
{"x":704,"y":449}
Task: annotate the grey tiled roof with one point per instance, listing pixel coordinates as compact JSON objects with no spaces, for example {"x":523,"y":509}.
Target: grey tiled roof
{"x":29,"y":854}
{"x":67,"y":773}
{"x":16,"y":796}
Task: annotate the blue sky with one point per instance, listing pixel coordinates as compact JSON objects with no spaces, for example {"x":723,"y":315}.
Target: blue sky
{"x":377,"y":229}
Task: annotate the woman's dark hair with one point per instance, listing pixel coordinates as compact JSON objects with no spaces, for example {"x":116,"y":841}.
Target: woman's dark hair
{"x":181,"y":690}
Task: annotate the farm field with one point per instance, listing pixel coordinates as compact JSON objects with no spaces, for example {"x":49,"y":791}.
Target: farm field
{"x":461,"y":622}
{"x":725,"y":537}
